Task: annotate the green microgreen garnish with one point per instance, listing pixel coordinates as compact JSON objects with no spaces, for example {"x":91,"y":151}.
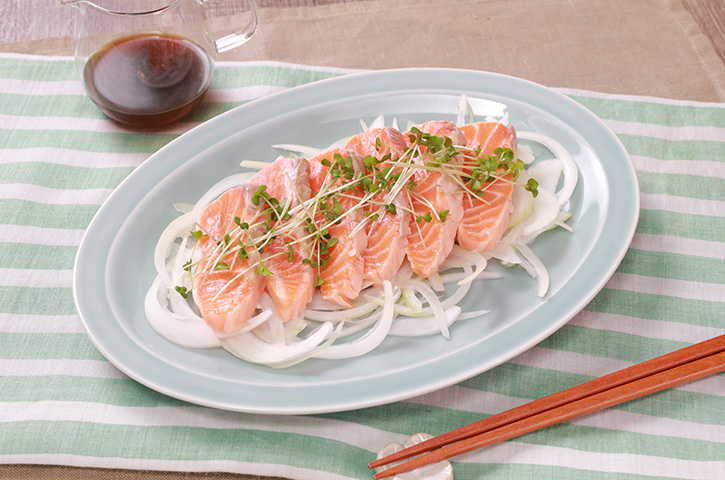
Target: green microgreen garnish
{"x":369,"y":186}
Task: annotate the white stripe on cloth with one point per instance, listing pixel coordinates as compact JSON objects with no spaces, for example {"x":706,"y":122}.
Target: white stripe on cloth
{"x":513,"y":452}
{"x":715,"y":169}
{"x":218,"y":95}
{"x":40,"y":235}
{"x":667,"y":132}
{"x":644,"y":327}
{"x":486,"y":403}
{"x":28,"y":323}
{"x":709,"y":292}
{"x":677,"y":245}
{"x":72,"y":158}
{"x":54,"y":196}
{"x":639,"y":98}
{"x":39,"y":87}
{"x":367,"y":438}
{"x":687,"y":205}
{"x":59,"y":366}
{"x":571,"y":362}
{"x":16,"y":277}
{"x":102,"y":125}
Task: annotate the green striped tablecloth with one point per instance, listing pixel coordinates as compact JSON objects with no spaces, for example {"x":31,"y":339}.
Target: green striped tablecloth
{"x":63,"y":403}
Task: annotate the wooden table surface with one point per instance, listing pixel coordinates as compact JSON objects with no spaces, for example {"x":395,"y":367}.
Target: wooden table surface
{"x":39,"y":19}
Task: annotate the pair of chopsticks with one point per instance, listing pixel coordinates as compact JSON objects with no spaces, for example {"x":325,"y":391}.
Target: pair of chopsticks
{"x":660,"y":373}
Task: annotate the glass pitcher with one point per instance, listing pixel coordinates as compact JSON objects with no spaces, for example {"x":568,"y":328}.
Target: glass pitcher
{"x":148,"y":63}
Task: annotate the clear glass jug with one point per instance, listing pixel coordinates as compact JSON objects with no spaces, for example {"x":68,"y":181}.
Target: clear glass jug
{"x":149,"y":63}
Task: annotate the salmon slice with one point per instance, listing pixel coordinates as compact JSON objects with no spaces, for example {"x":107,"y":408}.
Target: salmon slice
{"x":390,"y":140}
{"x":387,"y":235}
{"x":291,"y":283}
{"x":486,"y":218}
{"x":342,"y":268}
{"x":225,"y":290}
{"x":430,"y":242}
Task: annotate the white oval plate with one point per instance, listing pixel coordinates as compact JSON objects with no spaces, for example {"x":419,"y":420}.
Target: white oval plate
{"x":114,"y":266}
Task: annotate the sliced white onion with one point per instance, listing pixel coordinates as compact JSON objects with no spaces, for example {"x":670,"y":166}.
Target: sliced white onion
{"x":422,"y":326}
{"x":371,"y":339}
{"x":412,"y":300}
{"x":536,"y":268}
{"x":525,"y":154}
{"x":542,"y":218}
{"x":301,"y":150}
{"x":522,"y":201}
{"x":570,"y":171}
{"x":547,"y":173}
{"x":505,"y":253}
{"x":179,"y":228}
{"x":190,"y":332}
{"x":473,"y":314}
{"x":253,"y":164}
{"x":465,"y":112}
{"x":183,"y":207}
{"x":378,"y":122}
{"x":340,"y":315}
{"x":251,"y":348}
{"x":351,"y":327}
{"x":460,"y":258}
{"x":434,"y":302}
{"x":436,"y":283}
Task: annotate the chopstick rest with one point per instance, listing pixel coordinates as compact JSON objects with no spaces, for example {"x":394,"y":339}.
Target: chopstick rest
{"x":682,"y":366}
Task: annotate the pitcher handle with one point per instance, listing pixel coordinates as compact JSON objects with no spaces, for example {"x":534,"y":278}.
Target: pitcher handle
{"x":233,"y":40}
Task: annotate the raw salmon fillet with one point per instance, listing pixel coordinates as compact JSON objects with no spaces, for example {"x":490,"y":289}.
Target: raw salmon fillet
{"x":429,"y":243}
{"x":391,"y":143}
{"x":292,"y":282}
{"x":485,"y":218}
{"x":342,"y":274}
{"x":387,"y":235}
{"x":226,"y":297}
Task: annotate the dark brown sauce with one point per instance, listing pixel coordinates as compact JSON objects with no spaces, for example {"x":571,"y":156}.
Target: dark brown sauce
{"x":148,"y":80}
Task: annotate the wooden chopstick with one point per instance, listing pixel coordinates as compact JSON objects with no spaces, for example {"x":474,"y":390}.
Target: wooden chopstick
{"x":681,"y":366}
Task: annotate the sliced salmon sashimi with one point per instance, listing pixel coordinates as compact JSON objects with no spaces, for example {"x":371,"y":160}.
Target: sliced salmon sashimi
{"x":430,"y":242}
{"x":486,"y":217}
{"x":348,"y":234}
{"x":291,"y":284}
{"x":225,"y":290}
{"x":387,"y":235}
{"x":342,"y":271}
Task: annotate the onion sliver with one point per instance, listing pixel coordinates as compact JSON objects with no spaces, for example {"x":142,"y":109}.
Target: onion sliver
{"x":372,"y":338}
{"x":340,"y":315}
{"x":571,"y":173}
{"x":412,"y":300}
{"x":191,"y":332}
{"x":465,"y":112}
{"x":433,"y":302}
{"x":539,"y":269}
{"x":178,"y":228}
{"x":249,"y":347}
{"x":542,"y":218}
{"x":302,"y":150}
{"x":422,"y":326}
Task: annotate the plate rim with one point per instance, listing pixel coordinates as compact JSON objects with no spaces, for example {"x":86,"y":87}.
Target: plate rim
{"x":299,"y":91}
